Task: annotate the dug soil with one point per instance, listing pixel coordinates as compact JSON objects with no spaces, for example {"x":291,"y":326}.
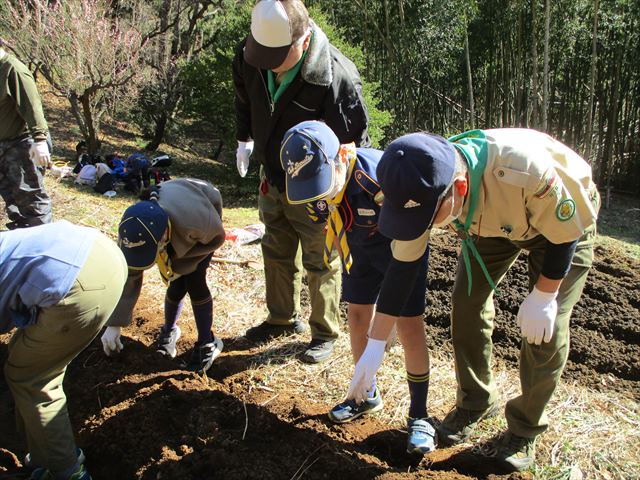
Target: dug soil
{"x":137,"y":417}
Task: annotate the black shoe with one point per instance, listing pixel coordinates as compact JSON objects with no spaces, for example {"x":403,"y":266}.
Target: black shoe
{"x":267,"y":331}
{"x":203,"y":355}
{"x":318,"y":351}
{"x":460,"y":423}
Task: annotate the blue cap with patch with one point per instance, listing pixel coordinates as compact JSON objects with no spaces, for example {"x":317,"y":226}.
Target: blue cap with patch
{"x":141,"y":229}
{"x":307,"y":154}
{"x":415,"y":172}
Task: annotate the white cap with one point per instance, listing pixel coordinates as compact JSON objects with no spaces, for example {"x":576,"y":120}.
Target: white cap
{"x":271,"y":37}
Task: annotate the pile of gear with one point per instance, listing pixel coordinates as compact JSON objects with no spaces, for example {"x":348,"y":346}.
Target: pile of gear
{"x":104,"y":174}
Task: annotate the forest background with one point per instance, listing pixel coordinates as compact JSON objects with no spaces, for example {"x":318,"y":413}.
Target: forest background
{"x":567,"y":67}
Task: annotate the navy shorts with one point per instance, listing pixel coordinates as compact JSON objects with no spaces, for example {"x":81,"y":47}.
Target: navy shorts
{"x":362,"y":285}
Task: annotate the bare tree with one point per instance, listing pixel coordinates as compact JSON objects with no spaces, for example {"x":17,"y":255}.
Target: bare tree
{"x":87,"y":52}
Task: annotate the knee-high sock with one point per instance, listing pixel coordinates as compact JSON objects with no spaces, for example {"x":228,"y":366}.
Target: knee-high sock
{"x":203,"y":314}
{"x":172,"y":312}
{"x":418,"y":391}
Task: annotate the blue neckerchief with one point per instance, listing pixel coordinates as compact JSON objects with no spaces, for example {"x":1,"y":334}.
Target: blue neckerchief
{"x":473,"y":145}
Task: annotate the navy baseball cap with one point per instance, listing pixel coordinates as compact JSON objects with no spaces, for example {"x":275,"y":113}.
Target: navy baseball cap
{"x":415,"y":171}
{"x":307,"y":154}
{"x":141,"y":228}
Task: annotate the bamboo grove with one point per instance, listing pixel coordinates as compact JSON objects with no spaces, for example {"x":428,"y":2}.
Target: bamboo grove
{"x":568,"y":67}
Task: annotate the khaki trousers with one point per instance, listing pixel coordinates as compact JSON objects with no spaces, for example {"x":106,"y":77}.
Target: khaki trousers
{"x":472,"y":325}
{"x":292,"y":241}
{"x":39,"y":355}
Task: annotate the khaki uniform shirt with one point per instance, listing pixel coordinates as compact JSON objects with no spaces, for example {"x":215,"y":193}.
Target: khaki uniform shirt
{"x":532,"y":185}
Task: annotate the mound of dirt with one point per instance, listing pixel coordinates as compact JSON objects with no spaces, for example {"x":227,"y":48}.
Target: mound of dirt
{"x":137,"y":417}
{"x":605,"y":326}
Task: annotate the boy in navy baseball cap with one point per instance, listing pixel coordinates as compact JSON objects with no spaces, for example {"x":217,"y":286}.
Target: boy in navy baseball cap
{"x":340,"y":186}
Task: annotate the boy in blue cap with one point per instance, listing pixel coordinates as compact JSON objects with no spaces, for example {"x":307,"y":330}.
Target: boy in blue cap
{"x":502,"y":191}
{"x":338,"y":184}
{"x":177,"y":226}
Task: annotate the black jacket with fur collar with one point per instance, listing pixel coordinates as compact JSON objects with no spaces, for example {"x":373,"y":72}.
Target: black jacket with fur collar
{"x":327,"y":88}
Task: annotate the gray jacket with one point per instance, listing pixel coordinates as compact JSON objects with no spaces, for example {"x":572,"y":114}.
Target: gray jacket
{"x":195,"y":211}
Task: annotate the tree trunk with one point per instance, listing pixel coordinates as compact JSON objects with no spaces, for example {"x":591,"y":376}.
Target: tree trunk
{"x":534,"y":68}
{"x":158,"y":132}
{"x":545,"y":74}
{"x":91,"y":134}
{"x":592,"y":82}
{"x":472,"y":113}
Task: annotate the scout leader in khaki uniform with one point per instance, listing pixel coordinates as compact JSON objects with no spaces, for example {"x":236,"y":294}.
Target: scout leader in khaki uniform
{"x":508,"y":190}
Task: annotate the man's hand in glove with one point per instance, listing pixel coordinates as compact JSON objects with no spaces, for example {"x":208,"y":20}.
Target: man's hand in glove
{"x":39,"y":154}
{"x":537,"y":316}
{"x":242,"y":157}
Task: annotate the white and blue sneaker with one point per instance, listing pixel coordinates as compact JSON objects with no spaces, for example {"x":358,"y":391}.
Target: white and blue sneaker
{"x":422,"y":436}
{"x":350,"y":410}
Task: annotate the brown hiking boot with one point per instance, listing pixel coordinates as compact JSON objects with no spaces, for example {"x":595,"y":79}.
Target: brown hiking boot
{"x":460,"y":423}
{"x":516,"y":453}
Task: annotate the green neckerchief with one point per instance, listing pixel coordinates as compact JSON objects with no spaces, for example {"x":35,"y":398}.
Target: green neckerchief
{"x":473,"y":145}
{"x":276,"y":90}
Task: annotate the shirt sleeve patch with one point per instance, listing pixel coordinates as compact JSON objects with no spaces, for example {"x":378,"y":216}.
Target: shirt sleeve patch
{"x":548,"y":183}
{"x":566,"y":210}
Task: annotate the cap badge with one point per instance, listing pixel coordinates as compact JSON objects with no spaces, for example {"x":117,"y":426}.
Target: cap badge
{"x":411,"y":204}
{"x":293,"y":168}
{"x":128,"y":244}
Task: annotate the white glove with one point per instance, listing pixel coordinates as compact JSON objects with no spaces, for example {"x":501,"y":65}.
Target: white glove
{"x":39,"y":154}
{"x":537,"y":316}
{"x":242,"y":156}
{"x":111,"y":343}
{"x":392,"y":339}
{"x":366,"y":369}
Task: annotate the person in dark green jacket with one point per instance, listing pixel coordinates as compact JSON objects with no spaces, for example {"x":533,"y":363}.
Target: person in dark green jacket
{"x":24,"y":153}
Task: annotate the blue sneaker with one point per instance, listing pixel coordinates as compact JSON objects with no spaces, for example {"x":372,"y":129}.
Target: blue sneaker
{"x":44,"y":474}
{"x":422,"y":436}
{"x":350,"y":410}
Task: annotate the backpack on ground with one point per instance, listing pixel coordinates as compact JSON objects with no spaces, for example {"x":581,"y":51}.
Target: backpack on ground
{"x":105,"y":183}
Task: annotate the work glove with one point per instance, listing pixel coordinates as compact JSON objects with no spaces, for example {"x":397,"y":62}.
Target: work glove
{"x":537,"y":316}
{"x":242,"y":156}
{"x":366,"y":369}
{"x":39,"y":154}
{"x":392,"y":339}
{"x":111,"y":343}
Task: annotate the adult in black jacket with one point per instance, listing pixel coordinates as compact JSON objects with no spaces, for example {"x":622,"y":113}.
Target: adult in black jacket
{"x":285,"y":72}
